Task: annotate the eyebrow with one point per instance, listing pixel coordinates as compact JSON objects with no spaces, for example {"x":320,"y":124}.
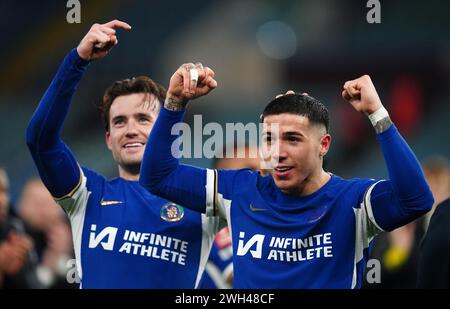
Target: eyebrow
{"x":289,"y":133}
{"x":119,"y":117}
{"x":143,"y":115}
{"x":293,"y":133}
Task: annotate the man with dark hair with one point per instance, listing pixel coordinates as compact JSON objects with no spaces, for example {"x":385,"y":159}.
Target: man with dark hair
{"x":300,"y":227}
{"x":123,"y":236}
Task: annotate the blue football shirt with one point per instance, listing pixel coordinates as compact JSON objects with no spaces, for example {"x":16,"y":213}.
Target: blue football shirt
{"x":281,"y":241}
{"x":125,"y":237}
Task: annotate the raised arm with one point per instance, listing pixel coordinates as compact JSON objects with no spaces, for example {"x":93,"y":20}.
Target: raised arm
{"x":55,"y":162}
{"x":406,"y":195}
{"x":161,"y":172}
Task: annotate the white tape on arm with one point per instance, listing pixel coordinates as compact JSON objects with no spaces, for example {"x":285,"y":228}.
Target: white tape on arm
{"x":381,"y":113}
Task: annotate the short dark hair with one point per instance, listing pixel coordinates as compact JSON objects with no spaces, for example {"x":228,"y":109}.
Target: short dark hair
{"x":299,"y":104}
{"x":140,"y":84}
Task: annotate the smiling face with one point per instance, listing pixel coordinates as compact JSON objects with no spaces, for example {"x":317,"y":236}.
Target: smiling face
{"x":300,"y":148}
{"x":131,"y":118}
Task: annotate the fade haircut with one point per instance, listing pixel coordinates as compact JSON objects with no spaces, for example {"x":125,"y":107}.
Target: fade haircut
{"x":141,"y":84}
{"x":299,"y":104}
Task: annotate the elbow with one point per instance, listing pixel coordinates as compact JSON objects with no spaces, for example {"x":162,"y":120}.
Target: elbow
{"x":421,"y":204}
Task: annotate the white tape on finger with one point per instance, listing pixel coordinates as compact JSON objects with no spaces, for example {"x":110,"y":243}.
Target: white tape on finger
{"x":194,"y":75}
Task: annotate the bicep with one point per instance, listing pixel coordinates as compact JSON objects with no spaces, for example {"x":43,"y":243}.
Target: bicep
{"x":58,"y":170}
{"x":384,"y":207}
{"x":185,"y":185}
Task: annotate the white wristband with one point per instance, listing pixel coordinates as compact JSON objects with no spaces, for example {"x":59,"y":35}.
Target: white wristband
{"x":378,"y":115}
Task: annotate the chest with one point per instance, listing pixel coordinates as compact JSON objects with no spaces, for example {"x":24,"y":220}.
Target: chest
{"x":133,"y":211}
{"x":317,"y":230}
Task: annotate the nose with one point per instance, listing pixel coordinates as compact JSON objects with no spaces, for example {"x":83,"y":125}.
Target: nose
{"x":279,"y":152}
{"x":132,"y":129}
{"x":280,"y":156}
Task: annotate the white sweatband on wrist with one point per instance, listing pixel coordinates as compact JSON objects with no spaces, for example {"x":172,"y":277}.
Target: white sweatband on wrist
{"x":378,"y":115}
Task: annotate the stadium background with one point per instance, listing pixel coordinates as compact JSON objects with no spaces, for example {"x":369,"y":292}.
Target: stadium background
{"x":257,"y":49}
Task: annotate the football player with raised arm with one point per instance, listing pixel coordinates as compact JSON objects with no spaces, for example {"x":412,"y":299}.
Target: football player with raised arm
{"x":300,"y":227}
{"x":124,"y":236}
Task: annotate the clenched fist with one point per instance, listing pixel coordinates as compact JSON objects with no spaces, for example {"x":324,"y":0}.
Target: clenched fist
{"x":187,"y":83}
{"x":362,"y":95}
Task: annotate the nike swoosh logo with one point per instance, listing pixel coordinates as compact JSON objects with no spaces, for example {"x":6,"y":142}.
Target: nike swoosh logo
{"x":257,"y":209}
{"x":107,"y":203}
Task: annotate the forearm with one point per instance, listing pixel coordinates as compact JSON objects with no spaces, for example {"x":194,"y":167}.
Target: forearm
{"x":162,"y":174}
{"x":406,"y":195}
{"x":404,"y":169}
{"x":54,"y":161}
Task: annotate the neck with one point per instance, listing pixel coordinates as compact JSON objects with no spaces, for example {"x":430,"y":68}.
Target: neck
{"x":311,"y":184}
{"x":129,"y":173}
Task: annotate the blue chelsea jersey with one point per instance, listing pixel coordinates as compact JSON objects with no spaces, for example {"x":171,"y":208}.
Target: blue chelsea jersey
{"x":125,"y":237}
{"x":319,"y":240}
{"x":280,"y":241}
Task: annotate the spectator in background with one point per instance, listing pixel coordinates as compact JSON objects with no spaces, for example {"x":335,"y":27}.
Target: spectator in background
{"x":17,"y":257}
{"x":46,"y":223}
{"x":398,"y":253}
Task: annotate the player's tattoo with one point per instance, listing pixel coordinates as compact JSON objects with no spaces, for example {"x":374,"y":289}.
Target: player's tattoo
{"x":175,"y":104}
{"x":383,"y":124}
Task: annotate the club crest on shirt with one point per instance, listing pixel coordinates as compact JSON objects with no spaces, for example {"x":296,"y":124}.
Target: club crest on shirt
{"x":172,"y":212}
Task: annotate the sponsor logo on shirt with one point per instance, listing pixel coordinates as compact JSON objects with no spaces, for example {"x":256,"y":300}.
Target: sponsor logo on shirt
{"x":257,"y":209}
{"x":285,"y":249}
{"x":150,"y":245}
{"x":108,"y":232}
{"x":107,"y":203}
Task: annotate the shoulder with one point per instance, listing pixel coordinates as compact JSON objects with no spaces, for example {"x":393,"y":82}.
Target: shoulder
{"x":241,"y":173}
{"x":238,"y":177}
{"x":354,"y":189}
{"x":88,"y":173}
{"x":352,"y":184}
{"x":92,"y":180}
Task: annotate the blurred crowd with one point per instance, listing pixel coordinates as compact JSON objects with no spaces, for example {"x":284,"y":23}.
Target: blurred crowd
{"x":35,"y":238}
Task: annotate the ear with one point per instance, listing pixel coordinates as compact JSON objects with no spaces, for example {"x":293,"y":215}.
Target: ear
{"x":108,"y":140}
{"x":325,"y":143}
